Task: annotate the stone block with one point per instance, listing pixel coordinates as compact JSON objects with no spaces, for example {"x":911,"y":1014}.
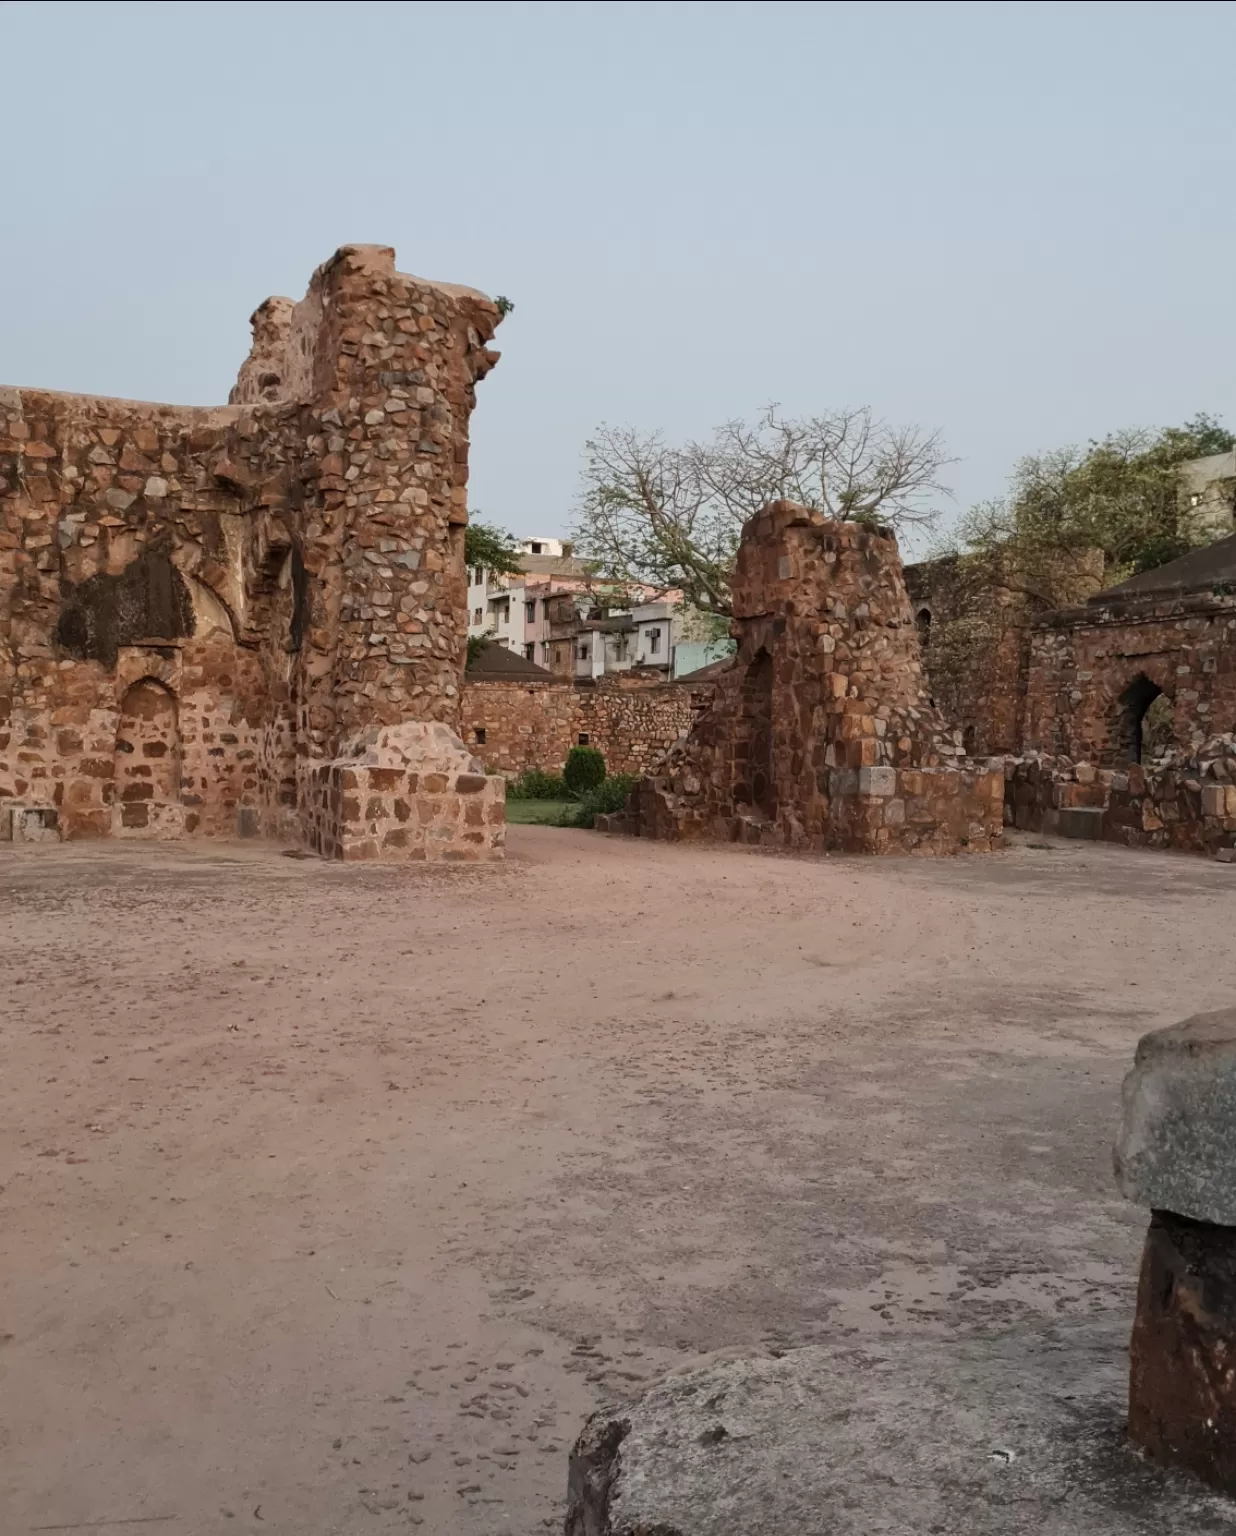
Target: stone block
{"x":34,"y":824}
{"x":1009,"y":1436}
{"x":877,"y":781}
{"x":1182,"y":1388}
{"x":1214,"y":800}
{"x":1079,"y":821}
{"x":1177,"y":1146}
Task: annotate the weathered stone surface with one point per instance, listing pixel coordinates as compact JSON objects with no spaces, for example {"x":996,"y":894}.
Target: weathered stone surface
{"x":279,"y":573}
{"x":524,"y":724}
{"x":821,"y":735}
{"x":1177,"y":1146}
{"x":1182,"y":1376}
{"x":1187,"y":800}
{"x":985,"y":1437}
{"x":1084,"y":822}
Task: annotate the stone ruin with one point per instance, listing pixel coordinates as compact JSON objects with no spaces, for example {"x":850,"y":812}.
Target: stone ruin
{"x":821,"y":735}
{"x":249,"y":619}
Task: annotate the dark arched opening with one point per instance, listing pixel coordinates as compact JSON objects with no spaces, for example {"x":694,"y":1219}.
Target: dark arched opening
{"x":922,"y":622}
{"x":753,"y":755}
{"x":1144,"y":725}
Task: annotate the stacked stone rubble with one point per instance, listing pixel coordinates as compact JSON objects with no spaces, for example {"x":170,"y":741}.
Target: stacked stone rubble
{"x":821,"y":735}
{"x":1184,"y":801}
{"x":286,"y":569}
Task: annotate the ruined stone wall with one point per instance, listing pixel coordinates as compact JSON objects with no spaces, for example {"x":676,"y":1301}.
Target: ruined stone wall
{"x":286,"y":570}
{"x":1187,"y":802}
{"x":975,"y":615}
{"x":1083,"y":687}
{"x":822,"y":735}
{"x":514,"y":726}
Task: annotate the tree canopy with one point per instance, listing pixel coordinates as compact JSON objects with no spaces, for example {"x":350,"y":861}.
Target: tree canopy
{"x":492,"y":548}
{"x":1122,"y":495}
{"x":671,"y":516}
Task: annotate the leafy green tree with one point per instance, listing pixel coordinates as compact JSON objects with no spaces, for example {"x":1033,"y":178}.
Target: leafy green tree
{"x":1122,"y":495}
{"x":491,"y":548}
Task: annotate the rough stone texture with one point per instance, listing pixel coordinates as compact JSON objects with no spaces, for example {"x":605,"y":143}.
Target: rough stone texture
{"x":821,"y":736}
{"x":1187,"y":801}
{"x":1082,"y":661}
{"x":1182,"y":1371}
{"x":1059,"y":683}
{"x":535,"y":724}
{"x":407,"y":792}
{"x":977,"y":675}
{"x":1177,"y":1154}
{"x":286,"y":570}
{"x":982,"y":1436}
{"x":1177,"y":1145}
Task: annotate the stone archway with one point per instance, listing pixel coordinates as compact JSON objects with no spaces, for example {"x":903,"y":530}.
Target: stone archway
{"x":147,"y":763}
{"x":1144,"y":721}
{"x":754,"y":780}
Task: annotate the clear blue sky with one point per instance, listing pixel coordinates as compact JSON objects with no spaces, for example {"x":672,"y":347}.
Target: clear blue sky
{"x":1014,"y":222}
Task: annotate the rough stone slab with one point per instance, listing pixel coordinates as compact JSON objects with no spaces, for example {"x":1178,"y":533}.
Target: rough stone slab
{"x":1080,"y":821}
{"x":921,"y":1437}
{"x":1177,"y":1145}
{"x":1182,"y":1390}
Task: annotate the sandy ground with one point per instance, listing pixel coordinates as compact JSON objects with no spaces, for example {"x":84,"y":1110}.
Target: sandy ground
{"x":335,"y":1198}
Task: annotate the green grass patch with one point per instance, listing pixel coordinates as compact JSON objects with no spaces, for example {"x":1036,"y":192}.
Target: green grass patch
{"x":537,"y":813}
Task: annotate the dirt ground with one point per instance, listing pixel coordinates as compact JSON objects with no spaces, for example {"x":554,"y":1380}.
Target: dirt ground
{"x":335,"y":1198}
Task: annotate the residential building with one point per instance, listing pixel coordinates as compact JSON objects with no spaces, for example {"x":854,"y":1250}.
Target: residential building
{"x":556,"y":613}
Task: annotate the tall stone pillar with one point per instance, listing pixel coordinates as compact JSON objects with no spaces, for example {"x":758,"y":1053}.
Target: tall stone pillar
{"x":395,"y":366}
{"x":1177,"y":1155}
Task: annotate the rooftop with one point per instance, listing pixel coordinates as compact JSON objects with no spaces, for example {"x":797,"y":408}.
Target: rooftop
{"x":496,"y":662}
{"x":1210,"y":566}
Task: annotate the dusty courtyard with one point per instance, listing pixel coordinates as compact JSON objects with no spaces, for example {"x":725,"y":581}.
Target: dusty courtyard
{"x":334,"y":1198}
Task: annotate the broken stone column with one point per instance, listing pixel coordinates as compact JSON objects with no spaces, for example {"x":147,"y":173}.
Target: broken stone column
{"x":1177,"y":1155}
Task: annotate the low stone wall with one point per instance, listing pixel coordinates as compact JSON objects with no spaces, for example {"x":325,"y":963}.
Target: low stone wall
{"x":1188,"y":802}
{"x":406,"y":792}
{"x":516,"y":725}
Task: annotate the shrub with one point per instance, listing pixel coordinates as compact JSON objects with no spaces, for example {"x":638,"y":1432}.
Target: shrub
{"x":532,"y":784}
{"x":603,"y":800}
{"x":585,"y":769}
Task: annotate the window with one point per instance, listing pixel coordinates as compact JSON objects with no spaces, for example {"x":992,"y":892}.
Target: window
{"x":583,"y":652}
{"x":504,"y":612}
{"x":479,"y":735}
{"x":582,"y":739}
{"x":654,"y":642}
{"x":536,"y":548}
{"x":478,"y":615}
{"x":478,"y":576}
{"x":544,"y":650}
{"x":545,"y":609}
{"x":530,"y":649}
{"x":530,"y":612}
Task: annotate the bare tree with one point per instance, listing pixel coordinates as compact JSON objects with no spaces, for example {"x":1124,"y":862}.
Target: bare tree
{"x":672,"y":517}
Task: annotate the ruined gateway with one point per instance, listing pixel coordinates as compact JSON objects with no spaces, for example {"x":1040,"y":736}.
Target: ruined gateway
{"x":821,"y":734}
{"x":249,"y":619}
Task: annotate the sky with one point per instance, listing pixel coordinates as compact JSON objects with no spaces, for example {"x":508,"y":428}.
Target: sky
{"x":1011,"y":222}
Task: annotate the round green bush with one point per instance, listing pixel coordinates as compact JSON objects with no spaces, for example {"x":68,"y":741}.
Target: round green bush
{"x":533,"y":784}
{"x":604,"y":800}
{"x":585,"y":769}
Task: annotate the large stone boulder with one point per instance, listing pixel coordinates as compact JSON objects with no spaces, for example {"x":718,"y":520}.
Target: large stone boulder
{"x":1177,"y":1146}
{"x":921,"y":1437}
